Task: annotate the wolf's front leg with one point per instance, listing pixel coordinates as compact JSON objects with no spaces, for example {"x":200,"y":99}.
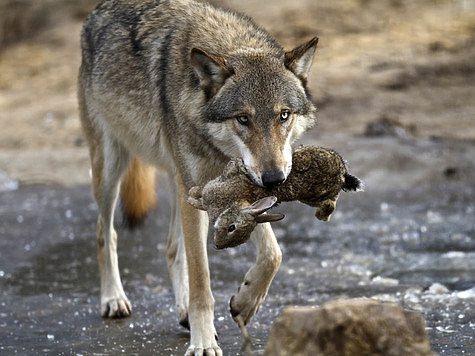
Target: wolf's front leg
{"x":201,"y":301}
{"x":257,"y":280}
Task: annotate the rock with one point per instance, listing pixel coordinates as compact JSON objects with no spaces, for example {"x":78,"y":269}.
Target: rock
{"x":392,"y":78}
{"x":388,"y":126}
{"x":437,"y":288}
{"x":349,"y":328}
{"x":385,"y":281}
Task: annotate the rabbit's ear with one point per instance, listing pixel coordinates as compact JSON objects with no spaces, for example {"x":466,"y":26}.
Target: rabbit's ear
{"x":263,"y":218}
{"x":260,"y":206}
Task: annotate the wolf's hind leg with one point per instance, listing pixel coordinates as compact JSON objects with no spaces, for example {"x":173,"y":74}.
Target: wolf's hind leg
{"x":245,"y":304}
{"x":176,"y":257}
{"x":109,"y":163}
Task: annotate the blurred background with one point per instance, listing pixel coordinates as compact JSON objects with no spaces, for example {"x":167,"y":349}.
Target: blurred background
{"x":386,"y":67}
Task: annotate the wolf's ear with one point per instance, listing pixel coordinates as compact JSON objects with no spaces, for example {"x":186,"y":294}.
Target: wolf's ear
{"x":212,"y":70}
{"x":299,"y":60}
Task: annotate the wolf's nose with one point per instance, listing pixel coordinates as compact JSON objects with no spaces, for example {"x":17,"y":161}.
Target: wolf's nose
{"x":272,"y":178}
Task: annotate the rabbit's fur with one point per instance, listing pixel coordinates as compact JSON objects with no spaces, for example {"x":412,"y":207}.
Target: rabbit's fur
{"x":235,"y":205}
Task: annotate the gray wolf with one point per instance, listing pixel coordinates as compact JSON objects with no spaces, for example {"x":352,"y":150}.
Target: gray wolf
{"x":183,"y":86}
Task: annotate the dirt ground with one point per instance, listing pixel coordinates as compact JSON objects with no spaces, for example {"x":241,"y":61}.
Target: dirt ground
{"x":408,"y":63}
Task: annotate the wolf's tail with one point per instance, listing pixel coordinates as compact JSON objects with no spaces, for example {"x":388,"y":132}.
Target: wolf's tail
{"x":137,"y":193}
{"x":352,"y":183}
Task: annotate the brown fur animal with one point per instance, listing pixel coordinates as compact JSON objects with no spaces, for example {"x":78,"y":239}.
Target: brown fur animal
{"x":316,"y":179}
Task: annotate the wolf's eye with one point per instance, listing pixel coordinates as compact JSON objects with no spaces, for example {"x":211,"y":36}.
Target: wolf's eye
{"x":284,"y":116}
{"x":243,"y":119}
{"x":231,"y":228}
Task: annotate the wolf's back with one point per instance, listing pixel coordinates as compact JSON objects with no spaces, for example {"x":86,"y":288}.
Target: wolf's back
{"x":144,"y":27}
{"x":143,"y":48}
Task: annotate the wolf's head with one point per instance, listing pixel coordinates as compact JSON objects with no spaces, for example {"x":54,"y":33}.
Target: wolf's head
{"x":256,"y":105}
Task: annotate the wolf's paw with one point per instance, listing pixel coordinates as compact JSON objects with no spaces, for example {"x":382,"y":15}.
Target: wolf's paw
{"x":116,"y":308}
{"x":246,"y":302}
{"x":203,"y":339}
{"x":199,"y":351}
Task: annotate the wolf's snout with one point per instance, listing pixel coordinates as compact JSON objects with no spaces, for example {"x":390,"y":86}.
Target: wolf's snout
{"x":272,"y":178}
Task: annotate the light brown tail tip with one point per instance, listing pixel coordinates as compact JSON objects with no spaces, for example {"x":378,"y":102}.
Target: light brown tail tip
{"x":137,"y":193}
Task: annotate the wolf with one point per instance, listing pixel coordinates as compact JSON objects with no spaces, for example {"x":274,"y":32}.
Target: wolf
{"x":184,"y":86}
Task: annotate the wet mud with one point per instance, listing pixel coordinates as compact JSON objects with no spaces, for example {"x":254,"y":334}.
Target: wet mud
{"x":410,"y":243}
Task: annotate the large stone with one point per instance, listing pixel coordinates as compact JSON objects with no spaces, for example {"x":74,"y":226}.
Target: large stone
{"x":349,"y":328}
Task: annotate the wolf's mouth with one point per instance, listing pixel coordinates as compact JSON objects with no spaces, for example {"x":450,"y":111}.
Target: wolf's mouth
{"x":253,"y":177}
{"x":257,"y":180}
{"x":289,"y":169}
